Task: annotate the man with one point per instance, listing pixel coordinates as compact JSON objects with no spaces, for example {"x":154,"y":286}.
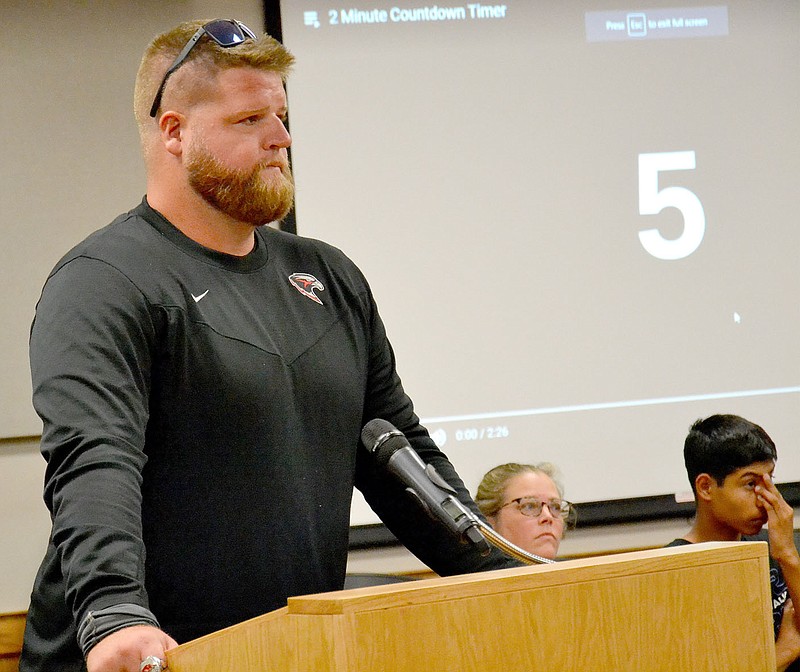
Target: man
{"x":202,"y":381}
{"x":730,"y":462}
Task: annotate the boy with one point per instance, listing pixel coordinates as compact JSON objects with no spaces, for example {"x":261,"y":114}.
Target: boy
{"x":730,"y":462}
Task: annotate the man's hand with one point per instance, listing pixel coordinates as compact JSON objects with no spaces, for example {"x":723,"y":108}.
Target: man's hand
{"x":124,"y":650}
{"x":780,"y":519}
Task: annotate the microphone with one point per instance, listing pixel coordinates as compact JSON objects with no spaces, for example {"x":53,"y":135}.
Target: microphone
{"x":423,"y":483}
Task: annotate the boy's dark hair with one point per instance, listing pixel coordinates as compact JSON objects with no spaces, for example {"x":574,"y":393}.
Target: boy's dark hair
{"x":721,"y":444}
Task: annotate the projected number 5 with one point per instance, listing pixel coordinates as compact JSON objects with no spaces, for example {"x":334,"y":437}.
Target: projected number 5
{"x":652,"y":201}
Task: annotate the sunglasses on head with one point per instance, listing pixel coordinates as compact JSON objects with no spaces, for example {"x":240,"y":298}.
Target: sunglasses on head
{"x":225,"y":32}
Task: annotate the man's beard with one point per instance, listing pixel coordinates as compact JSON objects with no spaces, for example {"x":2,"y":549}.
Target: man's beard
{"x":244,"y":195}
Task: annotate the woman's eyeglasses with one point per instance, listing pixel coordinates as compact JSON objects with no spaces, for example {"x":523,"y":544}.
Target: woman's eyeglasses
{"x":532,"y":507}
{"x":225,"y":32}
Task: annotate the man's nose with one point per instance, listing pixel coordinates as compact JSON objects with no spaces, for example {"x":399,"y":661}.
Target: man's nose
{"x":277,"y":135}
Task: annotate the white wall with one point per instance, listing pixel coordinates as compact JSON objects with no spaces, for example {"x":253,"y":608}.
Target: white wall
{"x":24,"y":522}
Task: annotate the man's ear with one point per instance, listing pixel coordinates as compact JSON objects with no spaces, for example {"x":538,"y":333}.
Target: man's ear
{"x":703,"y":486}
{"x":170,"y":126}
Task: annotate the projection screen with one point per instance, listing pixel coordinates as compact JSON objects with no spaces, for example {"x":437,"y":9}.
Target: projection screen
{"x":578,"y":220}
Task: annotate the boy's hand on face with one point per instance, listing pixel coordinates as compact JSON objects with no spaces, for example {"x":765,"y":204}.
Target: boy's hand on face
{"x":780,"y":519}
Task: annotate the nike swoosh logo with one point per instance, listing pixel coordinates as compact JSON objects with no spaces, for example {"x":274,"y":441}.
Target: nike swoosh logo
{"x":200,"y":296}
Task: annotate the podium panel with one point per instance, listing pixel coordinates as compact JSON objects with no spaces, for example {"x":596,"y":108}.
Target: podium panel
{"x":701,"y":608}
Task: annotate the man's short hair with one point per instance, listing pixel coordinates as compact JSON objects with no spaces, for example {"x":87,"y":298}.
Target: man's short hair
{"x":264,"y":53}
{"x":721,"y":444}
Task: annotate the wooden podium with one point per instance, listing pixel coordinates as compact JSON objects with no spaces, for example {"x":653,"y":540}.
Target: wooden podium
{"x":695,"y":608}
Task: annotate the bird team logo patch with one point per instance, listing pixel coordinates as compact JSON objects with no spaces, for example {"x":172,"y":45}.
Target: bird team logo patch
{"x":307,"y":284}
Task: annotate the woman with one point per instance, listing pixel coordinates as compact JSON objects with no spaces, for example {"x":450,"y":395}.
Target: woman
{"x":525,"y":504}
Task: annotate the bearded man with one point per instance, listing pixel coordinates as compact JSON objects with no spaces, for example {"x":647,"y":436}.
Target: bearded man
{"x":203,"y":379}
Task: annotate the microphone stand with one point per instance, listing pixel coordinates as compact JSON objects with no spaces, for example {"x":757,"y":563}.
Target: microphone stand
{"x":507,"y":547}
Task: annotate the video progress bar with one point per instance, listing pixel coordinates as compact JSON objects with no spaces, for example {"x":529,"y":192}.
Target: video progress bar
{"x":611,"y":404}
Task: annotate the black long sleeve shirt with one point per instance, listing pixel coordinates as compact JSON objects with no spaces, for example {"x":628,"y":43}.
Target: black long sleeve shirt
{"x":201,"y":418}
